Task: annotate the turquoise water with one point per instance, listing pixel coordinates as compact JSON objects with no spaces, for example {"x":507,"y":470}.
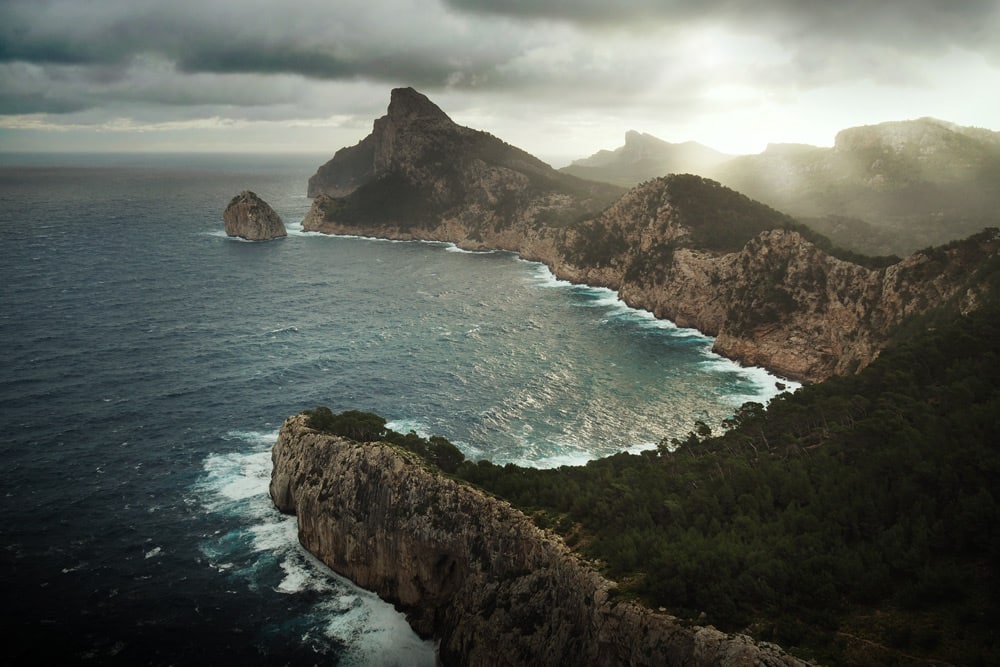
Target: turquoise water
{"x":148,"y":362}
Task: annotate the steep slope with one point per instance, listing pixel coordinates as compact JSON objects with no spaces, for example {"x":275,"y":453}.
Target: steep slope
{"x":469,"y":569}
{"x":420,"y":173}
{"x":644,"y":156}
{"x":882,"y":189}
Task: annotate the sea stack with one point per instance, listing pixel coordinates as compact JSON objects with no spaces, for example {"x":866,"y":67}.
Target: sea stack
{"x":250,"y":217}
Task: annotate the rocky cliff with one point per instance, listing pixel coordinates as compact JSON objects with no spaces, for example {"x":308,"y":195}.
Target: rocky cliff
{"x":418,"y":173}
{"x":684,"y":247}
{"x":470,"y":570}
{"x":250,"y":217}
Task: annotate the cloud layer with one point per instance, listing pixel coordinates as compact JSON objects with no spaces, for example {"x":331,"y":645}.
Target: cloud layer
{"x":151,"y":61}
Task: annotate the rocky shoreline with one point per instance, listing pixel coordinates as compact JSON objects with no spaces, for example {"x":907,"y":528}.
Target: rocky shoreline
{"x":472,"y":571}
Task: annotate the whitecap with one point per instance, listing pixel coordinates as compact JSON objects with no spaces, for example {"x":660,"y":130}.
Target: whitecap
{"x":405,"y":425}
{"x":543,"y":276}
{"x":236,"y":484}
{"x":451,"y":247}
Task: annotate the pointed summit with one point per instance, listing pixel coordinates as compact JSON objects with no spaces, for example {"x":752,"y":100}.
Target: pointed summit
{"x":418,"y":171}
{"x":406,"y":105}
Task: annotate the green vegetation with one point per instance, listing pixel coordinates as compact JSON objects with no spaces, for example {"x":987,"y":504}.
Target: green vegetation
{"x":369,"y":427}
{"x":864,"y":497}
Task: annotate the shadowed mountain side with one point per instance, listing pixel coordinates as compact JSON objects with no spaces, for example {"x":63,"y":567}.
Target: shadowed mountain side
{"x":418,"y":169}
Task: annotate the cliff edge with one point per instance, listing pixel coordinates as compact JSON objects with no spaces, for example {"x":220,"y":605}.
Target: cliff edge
{"x":469,"y":569}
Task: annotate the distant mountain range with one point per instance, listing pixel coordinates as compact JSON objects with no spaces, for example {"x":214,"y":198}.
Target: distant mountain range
{"x":890,"y":188}
{"x":643,"y":157}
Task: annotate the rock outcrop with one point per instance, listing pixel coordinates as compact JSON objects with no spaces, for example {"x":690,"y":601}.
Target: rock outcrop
{"x":683,"y":247}
{"x":470,"y":570}
{"x":250,"y":217}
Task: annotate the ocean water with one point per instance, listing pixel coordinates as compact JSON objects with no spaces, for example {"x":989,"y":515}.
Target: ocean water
{"x":147,"y":362}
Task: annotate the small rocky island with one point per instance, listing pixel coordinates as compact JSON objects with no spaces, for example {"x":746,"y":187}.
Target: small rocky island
{"x":250,"y":217}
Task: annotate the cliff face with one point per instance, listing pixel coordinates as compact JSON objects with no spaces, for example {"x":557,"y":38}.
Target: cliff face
{"x":250,"y":217}
{"x":418,"y":170}
{"x":686,"y":248}
{"x":469,"y":569}
{"x":782,"y":303}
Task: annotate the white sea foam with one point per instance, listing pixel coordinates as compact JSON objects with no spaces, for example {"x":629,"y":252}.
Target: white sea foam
{"x":542,"y":276}
{"x":405,"y":425}
{"x":765,"y":385}
{"x":236,"y":484}
{"x":451,"y":247}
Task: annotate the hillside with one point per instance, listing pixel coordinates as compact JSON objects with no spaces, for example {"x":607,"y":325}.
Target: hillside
{"x":644,"y":156}
{"x":468,"y":569}
{"x":890,"y":188}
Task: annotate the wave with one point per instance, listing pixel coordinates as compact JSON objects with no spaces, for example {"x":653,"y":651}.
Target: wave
{"x":767,"y":385}
{"x":264,"y":547}
{"x":451,"y":247}
{"x":543,"y":276}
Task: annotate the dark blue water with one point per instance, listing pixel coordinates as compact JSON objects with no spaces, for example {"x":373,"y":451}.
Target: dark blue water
{"x":148,"y":361}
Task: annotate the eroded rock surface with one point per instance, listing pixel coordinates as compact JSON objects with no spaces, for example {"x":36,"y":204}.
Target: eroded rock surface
{"x":472,"y":571}
{"x":250,"y":217}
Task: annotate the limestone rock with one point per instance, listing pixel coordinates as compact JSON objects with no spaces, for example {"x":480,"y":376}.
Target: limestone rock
{"x":419,"y":172}
{"x":250,"y":217}
{"x":472,"y":571}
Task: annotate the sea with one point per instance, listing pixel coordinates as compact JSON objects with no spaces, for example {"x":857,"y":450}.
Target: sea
{"x":147,"y":362}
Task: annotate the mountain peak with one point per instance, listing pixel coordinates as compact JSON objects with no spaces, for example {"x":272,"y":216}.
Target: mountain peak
{"x":632,"y":136}
{"x":407,"y":105}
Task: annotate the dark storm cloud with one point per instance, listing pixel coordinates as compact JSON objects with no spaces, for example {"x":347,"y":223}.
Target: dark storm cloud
{"x":473,"y":43}
{"x":919,"y":25}
{"x":312,"y":39}
{"x":154,"y":61}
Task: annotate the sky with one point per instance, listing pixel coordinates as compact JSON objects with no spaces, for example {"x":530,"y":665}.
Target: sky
{"x":561,"y":79}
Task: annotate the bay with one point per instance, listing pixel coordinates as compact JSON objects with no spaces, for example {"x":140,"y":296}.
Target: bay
{"x":148,"y":361}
